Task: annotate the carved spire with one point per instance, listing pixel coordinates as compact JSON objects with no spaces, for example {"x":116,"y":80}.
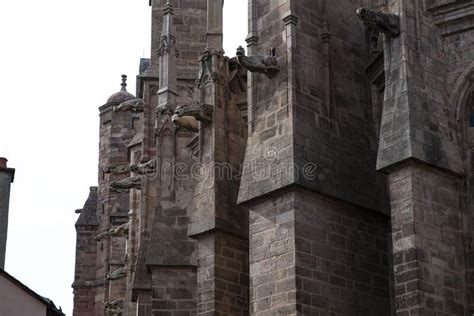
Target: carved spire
{"x":167,"y":64}
{"x":167,"y":45}
{"x":124,"y":83}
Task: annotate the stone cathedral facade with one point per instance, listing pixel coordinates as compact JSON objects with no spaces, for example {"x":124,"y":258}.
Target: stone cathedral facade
{"x":326,"y":169}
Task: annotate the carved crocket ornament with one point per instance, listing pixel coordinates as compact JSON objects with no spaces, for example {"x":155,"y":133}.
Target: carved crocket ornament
{"x":266,"y":65}
{"x":127,"y":183}
{"x":136,"y":105}
{"x":188,"y":116}
{"x":389,"y":24}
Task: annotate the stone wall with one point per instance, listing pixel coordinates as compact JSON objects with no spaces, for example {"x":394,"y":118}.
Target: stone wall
{"x":313,"y":124}
{"x":311,"y":255}
{"x":190,"y":20}
{"x":222,"y":278}
{"x":84,"y":287}
{"x":173,"y":292}
{"x":429,"y":238}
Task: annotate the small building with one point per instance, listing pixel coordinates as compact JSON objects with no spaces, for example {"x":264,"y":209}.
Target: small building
{"x":19,"y":300}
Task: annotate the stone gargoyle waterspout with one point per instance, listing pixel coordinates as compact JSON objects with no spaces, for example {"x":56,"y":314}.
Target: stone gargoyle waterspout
{"x":144,"y":168}
{"x":116,"y":169}
{"x":189,"y":116}
{"x":118,"y":231}
{"x":114,"y":308}
{"x":266,"y":65}
{"x":117,"y":274}
{"x":135,"y":105}
{"x":389,"y":24}
{"x":127,"y":183}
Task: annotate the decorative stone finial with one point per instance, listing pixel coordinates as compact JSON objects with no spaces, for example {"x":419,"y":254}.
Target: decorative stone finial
{"x":124,"y":83}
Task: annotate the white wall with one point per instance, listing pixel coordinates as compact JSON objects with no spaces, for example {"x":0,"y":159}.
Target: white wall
{"x":14,"y":301}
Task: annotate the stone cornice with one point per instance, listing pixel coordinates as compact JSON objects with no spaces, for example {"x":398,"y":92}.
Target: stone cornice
{"x":453,"y":18}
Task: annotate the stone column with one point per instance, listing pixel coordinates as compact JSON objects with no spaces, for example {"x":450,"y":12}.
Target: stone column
{"x":170,"y":257}
{"x":318,"y":233}
{"x":418,"y":149}
{"x":6,"y":178}
{"x":85,"y":282}
{"x":218,"y":224}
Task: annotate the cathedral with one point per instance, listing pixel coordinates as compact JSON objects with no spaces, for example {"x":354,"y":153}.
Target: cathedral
{"x":325,"y":169}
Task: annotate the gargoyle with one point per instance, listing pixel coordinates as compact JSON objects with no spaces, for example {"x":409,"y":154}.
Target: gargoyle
{"x":103,"y":236}
{"x":119,"y":191}
{"x":188,"y":116}
{"x":187,"y":122}
{"x":237,"y":77}
{"x":127,"y":183}
{"x":164,"y":109}
{"x":117,"y":274}
{"x":118,"y":231}
{"x":388,"y":24}
{"x":136,"y":105}
{"x":144,"y":168}
{"x":114,"y":308}
{"x":266,"y":65}
{"x":117,"y":169}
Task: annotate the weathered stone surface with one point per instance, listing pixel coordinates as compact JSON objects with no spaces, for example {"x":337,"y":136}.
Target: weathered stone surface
{"x":313,"y":255}
{"x":428,"y":240}
{"x":311,"y":124}
{"x":261,"y":195}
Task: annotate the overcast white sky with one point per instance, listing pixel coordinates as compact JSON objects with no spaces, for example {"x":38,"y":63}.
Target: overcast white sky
{"x":59,"y":61}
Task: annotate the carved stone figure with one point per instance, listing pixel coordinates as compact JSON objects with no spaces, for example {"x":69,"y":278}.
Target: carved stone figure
{"x":237,"y":77}
{"x":119,"y":231}
{"x":127,"y":183}
{"x":144,"y":168}
{"x":136,"y":105}
{"x":118,"y":191}
{"x":164,"y":109}
{"x":266,"y":65}
{"x":187,"y":122}
{"x":114,"y":308}
{"x":117,"y":169}
{"x":117,"y":274}
{"x":188,"y":116}
{"x":201,"y":112}
{"x":388,"y":24}
{"x":103,"y":236}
